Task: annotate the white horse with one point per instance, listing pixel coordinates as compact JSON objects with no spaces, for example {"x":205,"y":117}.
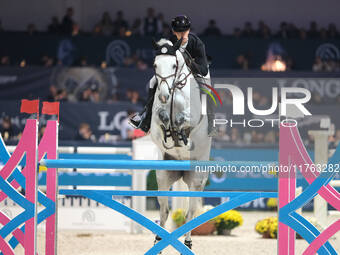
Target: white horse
{"x":178,"y":126}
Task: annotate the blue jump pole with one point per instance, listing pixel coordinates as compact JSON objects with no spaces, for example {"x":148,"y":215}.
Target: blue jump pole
{"x":118,"y":164}
{"x":156,"y":193}
{"x":178,"y":165}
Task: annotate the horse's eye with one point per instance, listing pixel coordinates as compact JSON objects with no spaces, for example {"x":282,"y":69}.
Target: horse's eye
{"x":154,"y":66}
{"x":174,"y":66}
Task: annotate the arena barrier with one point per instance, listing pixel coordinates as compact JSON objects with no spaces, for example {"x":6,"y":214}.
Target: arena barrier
{"x":23,"y":227}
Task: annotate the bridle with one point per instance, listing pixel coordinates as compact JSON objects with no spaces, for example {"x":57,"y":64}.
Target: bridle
{"x":177,"y":83}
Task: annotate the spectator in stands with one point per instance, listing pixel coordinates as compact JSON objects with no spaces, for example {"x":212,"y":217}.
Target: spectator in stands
{"x":97,"y":31}
{"x":263,"y":30}
{"x":5,"y":61}
{"x":135,"y":98}
{"x":47,"y":61}
{"x":302,"y":34}
{"x":95,"y":95}
{"x":166,"y":31}
{"x":85,"y":133}
{"x":283,"y":31}
{"x":53,"y":93}
{"x":106,"y":24}
{"x":67,"y":23}
{"x":317,"y":99}
{"x":67,"y":52}
{"x":126,"y":130}
{"x":134,"y":61}
{"x":61,"y":95}
{"x":257,"y":137}
{"x":318,"y":65}
{"x":7,"y":130}
{"x":330,"y":65}
{"x":119,"y":23}
{"x":313,"y":30}
{"x":128,"y":94}
{"x":75,"y":29}
{"x":289,"y":63}
{"x":141,"y":65}
{"x":41,"y":132}
{"x":123,"y":32}
{"x":248,"y":30}
{"x":293,"y":32}
{"x":31,"y":29}
{"x":83,"y":61}
{"x":54,"y":27}
{"x":150,"y":24}
{"x":242,"y":62}
{"x":161,"y":22}
{"x":237,"y":32}
{"x":235,"y":136}
{"x":269,"y":137}
{"x":212,"y":29}
{"x":323,"y":34}
{"x":85,"y":96}
{"x":332,"y":31}
{"x":136,"y":28}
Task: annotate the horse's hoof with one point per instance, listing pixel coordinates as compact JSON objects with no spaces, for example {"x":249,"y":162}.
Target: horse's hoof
{"x":157,"y":239}
{"x":188,"y":244}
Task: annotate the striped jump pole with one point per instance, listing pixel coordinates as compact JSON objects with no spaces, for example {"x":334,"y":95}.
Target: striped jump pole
{"x":176,"y":165}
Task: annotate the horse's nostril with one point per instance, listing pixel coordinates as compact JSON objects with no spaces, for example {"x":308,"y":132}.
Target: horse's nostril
{"x":163,"y":98}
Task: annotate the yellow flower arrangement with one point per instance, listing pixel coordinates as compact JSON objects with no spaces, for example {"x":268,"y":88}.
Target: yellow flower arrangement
{"x":272,"y":203}
{"x":267,"y":227}
{"x":228,"y":221}
{"x":178,"y":217}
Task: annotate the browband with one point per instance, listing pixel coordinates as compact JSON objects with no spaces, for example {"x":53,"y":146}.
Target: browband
{"x":166,"y":49}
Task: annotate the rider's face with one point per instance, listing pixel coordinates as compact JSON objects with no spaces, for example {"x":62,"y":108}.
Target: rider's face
{"x":180,"y":35}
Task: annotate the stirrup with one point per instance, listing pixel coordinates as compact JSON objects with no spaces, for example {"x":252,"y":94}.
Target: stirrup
{"x":135,"y":123}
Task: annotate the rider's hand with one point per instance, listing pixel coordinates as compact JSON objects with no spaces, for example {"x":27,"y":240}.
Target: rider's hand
{"x":185,"y":37}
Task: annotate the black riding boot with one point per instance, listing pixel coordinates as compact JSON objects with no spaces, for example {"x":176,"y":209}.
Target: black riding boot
{"x":143,"y":120}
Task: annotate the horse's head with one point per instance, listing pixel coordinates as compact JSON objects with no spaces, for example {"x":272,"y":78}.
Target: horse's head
{"x":168,"y":62}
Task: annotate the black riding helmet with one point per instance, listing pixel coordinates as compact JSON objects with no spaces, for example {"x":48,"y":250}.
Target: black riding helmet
{"x":180,"y":23}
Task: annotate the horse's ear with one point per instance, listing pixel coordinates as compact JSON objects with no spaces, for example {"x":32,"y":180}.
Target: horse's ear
{"x":178,"y":44}
{"x":154,"y":44}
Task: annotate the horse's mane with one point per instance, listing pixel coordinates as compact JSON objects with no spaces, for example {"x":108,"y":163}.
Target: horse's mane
{"x":164,"y":41}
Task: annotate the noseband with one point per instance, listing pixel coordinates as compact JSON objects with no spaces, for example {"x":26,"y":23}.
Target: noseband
{"x":164,"y":79}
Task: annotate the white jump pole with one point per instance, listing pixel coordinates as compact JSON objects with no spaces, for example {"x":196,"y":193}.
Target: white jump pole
{"x":142,"y":149}
{"x":321,"y":154}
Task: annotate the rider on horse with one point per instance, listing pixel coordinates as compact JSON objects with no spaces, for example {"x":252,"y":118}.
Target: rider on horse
{"x":193,"y":50}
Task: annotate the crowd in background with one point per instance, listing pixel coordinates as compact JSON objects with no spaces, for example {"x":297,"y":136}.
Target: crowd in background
{"x":153,"y":24}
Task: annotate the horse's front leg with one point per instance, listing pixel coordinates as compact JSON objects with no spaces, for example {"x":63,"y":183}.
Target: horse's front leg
{"x":165,"y":179}
{"x":195,"y":182}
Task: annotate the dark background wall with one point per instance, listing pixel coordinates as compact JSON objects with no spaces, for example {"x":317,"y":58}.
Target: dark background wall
{"x":16,"y":14}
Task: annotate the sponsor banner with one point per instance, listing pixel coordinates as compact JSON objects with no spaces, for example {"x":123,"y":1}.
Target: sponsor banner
{"x":30,"y":82}
{"x":102,"y":118}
